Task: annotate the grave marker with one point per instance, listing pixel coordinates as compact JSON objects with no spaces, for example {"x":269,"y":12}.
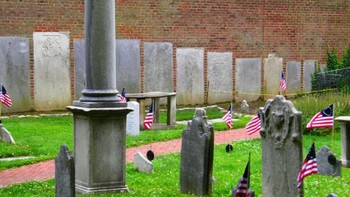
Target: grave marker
{"x":64,"y":173}
{"x":133,"y":119}
{"x":281,"y":140}
{"x":197,"y":156}
{"x":327,"y":164}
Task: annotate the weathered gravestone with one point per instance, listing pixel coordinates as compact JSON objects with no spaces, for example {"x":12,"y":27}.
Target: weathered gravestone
{"x":133,"y":119}
{"x":64,"y":173}
{"x":142,"y":164}
{"x":197,"y":156}
{"x":244,"y":107}
{"x":327,"y":163}
{"x":281,"y":141}
{"x":5,"y":135}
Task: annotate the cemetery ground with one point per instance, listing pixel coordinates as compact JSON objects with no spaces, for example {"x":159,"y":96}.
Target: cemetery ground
{"x":41,"y":137}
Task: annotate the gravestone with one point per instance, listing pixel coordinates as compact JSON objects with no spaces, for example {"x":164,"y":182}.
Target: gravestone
{"x":309,"y":69}
{"x":219,"y":77}
{"x":133,"y":119}
{"x":248,"y":79}
{"x":5,"y":135}
{"x":14,"y":72}
{"x":327,"y":163}
{"x":190,"y":76}
{"x":51,"y":71}
{"x":281,"y":140}
{"x":197,"y":150}
{"x":244,"y":107}
{"x":142,"y":164}
{"x":293,"y":77}
{"x":79,"y":68}
{"x":158,"y":67}
{"x":64,"y":173}
{"x":128,"y":65}
{"x":273,"y":66}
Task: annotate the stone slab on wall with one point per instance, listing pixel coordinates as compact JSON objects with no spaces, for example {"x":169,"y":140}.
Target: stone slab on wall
{"x":128,"y":65}
{"x":273,"y":66}
{"x":309,"y":69}
{"x":219,"y":77}
{"x":14,"y":72}
{"x":79,"y":68}
{"x":190,"y":76}
{"x":248,"y":79}
{"x":51,"y":71}
{"x":293,"y":77}
{"x":158,"y":67}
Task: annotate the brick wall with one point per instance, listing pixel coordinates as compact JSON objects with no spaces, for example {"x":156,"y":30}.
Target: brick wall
{"x":295,"y":30}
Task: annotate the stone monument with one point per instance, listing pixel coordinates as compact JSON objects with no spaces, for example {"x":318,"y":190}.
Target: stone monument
{"x":327,"y":163}
{"x":197,"y":156}
{"x":281,"y":140}
{"x":64,"y":174}
{"x":244,"y":107}
{"x":99,"y":116}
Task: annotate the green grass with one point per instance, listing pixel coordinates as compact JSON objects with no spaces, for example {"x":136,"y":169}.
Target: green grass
{"x":42,"y":137}
{"x":228,"y":168}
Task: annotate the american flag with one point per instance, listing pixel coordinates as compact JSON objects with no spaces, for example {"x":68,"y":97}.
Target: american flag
{"x":323,"y":119}
{"x":228,"y":117}
{"x":242,"y":189}
{"x":309,"y":166}
{"x":283,"y":84}
{"x":253,"y":125}
{"x":4,"y":97}
{"x":147,"y":123}
{"x":122,"y":97}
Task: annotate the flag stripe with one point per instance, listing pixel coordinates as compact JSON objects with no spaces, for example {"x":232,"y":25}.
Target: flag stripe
{"x":253,"y":125}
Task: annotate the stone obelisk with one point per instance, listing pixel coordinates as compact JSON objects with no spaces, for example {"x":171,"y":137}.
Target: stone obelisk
{"x":99,"y":116}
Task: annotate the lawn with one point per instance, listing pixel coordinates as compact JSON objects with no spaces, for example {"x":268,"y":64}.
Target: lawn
{"x":228,"y":168}
{"x":41,"y":137}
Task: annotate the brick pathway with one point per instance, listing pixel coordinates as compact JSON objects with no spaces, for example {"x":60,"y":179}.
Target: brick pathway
{"x":46,"y":170}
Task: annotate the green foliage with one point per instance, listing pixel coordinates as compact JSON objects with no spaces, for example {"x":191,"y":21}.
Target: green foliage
{"x":332,"y":59}
{"x":346,"y":58}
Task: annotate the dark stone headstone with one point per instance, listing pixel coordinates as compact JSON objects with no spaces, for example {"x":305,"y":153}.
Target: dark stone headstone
{"x":64,"y":173}
{"x":327,"y":163}
{"x":197,"y":156}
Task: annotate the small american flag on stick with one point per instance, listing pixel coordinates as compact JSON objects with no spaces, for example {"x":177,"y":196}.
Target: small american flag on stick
{"x":147,"y":123}
{"x":309,"y":166}
{"x":323,"y":119}
{"x":283,"y":83}
{"x":5,"y":97}
{"x":254,"y":124}
{"x":228,"y":117}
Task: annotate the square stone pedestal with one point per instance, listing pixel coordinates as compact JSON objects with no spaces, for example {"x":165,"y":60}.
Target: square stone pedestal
{"x":99,"y":146}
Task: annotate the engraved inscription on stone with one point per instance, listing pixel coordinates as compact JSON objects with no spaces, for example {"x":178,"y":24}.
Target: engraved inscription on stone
{"x":51,"y":47}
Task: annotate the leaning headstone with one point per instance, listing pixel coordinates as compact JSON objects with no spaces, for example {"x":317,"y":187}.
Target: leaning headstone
{"x":248,"y":79}
{"x":142,"y":164}
{"x":15,"y":72}
{"x":244,"y":107}
{"x":64,"y":173}
{"x":133,"y":119}
{"x":6,"y":136}
{"x":327,"y":163}
{"x":309,"y":69}
{"x":197,"y":150}
{"x":190,"y":76}
{"x":273,"y":66}
{"x":281,"y":140}
{"x":51,"y":71}
{"x":219,"y":77}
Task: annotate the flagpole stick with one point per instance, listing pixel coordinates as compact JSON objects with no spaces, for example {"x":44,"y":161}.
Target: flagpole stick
{"x":333,"y":129}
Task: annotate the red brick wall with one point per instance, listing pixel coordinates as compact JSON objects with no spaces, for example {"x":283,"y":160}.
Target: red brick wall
{"x":295,"y":30}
